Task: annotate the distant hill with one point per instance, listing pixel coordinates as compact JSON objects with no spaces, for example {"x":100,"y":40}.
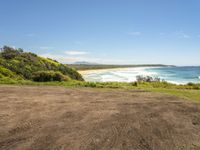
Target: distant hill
{"x":84,"y":63}
{"x":103,"y":66}
{"x":17,"y":64}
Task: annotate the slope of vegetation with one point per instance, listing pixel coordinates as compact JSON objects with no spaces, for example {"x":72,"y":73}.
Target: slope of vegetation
{"x":16,"y":64}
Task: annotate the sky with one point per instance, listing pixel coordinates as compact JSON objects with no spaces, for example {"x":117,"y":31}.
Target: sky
{"x":104,"y":31}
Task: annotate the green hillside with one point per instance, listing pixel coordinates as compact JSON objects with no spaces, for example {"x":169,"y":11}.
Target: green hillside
{"x":17,"y":64}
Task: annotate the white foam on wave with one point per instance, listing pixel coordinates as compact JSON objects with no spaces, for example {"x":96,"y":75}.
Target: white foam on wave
{"x":121,"y":75}
{"x":111,"y":78}
{"x":130,"y":74}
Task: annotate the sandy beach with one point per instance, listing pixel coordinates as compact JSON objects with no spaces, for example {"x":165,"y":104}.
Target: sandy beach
{"x":84,"y":72}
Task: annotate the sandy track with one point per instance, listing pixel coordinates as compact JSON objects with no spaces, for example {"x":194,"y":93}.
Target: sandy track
{"x":60,"y":118}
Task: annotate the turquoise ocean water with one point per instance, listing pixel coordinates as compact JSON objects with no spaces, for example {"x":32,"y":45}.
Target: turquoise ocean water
{"x":178,"y":75}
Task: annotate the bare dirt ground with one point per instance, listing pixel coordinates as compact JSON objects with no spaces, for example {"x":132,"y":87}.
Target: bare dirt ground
{"x":58,"y":118}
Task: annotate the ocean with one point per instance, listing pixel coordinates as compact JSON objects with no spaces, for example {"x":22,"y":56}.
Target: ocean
{"x":177,"y":75}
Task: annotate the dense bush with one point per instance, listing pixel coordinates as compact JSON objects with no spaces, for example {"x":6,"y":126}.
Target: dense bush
{"x":6,"y":72}
{"x":26,"y":63}
{"x":45,"y":76}
{"x":9,"y":52}
{"x":148,"y":79}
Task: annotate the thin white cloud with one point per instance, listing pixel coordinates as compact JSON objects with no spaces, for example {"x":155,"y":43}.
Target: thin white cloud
{"x":61,"y":58}
{"x":66,"y":59}
{"x":46,"y":47}
{"x":137,"y":33}
{"x":31,"y":35}
{"x":162,"y":33}
{"x":181,"y":34}
{"x":78,"y":42}
{"x":70,"y":59}
{"x":12,"y":46}
{"x":75,"y":52}
{"x":186,"y":36}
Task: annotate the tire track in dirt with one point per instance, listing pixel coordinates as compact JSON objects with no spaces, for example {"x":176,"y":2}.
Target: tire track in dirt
{"x":58,"y":118}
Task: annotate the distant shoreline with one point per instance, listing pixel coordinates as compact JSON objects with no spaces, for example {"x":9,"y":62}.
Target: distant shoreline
{"x":85,"y":72}
{"x":83,"y":67}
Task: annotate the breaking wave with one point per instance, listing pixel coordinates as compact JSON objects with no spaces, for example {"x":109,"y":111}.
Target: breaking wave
{"x":176,"y":75}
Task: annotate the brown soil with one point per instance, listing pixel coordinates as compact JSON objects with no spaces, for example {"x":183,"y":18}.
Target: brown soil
{"x":58,"y":118}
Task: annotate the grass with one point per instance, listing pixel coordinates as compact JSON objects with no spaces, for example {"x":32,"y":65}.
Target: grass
{"x":189,"y":92}
{"x":193,"y":95}
{"x":196,"y":147}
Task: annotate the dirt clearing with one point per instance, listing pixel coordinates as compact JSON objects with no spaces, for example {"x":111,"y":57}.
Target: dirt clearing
{"x":58,"y":118}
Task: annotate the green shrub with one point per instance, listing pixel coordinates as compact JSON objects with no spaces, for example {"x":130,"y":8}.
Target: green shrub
{"x":196,"y":87}
{"x":1,"y":76}
{"x":190,"y":84}
{"x":6,"y":72}
{"x":45,"y":76}
{"x":134,"y":83}
{"x":140,"y":78}
{"x":9,"y":52}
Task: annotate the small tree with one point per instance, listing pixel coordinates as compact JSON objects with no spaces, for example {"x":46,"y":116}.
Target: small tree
{"x":9,"y":52}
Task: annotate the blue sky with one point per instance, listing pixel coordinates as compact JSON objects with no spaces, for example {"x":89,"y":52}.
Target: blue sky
{"x":105,"y":31}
